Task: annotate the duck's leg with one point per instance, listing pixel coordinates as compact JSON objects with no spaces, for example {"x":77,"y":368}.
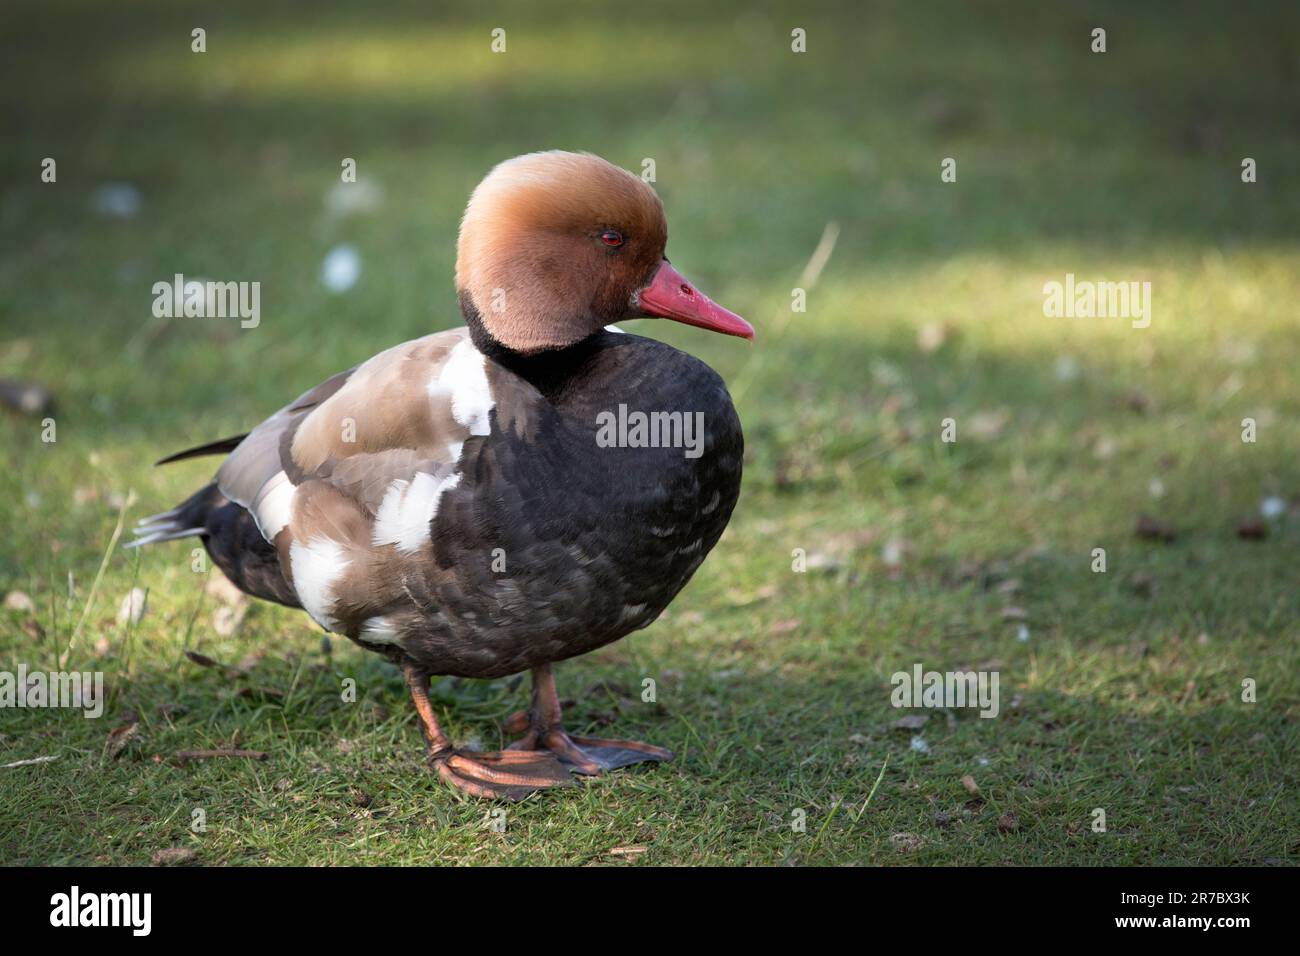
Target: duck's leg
{"x":507,"y":775}
{"x":589,"y":755}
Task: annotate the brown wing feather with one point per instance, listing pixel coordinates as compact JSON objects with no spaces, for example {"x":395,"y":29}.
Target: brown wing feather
{"x":386,"y":420}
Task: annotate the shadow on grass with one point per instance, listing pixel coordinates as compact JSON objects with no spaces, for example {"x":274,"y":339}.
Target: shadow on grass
{"x":818,"y":746}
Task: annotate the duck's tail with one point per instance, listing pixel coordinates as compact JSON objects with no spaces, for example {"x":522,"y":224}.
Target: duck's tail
{"x":191,"y":517}
{"x":184,"y":521}
{"x":230,"y":536}
{"x":222,"y":446}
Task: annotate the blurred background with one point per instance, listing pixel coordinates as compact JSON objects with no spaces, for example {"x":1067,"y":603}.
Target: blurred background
{"x":1122,"y":166}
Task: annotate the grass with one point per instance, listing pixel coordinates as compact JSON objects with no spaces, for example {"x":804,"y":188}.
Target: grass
{"x":772,"y":685}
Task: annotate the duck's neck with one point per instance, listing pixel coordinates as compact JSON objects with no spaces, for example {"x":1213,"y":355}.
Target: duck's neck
{"x":550,"y":371}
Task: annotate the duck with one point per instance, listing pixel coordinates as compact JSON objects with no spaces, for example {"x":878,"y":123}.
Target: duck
{"x":483,"y":501}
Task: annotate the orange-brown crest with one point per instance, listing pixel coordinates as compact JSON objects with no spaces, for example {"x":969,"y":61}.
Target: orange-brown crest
{"x":531,"y":257}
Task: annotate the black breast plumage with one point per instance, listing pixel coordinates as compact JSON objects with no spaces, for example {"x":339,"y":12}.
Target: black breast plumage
{"x":569,"y":528}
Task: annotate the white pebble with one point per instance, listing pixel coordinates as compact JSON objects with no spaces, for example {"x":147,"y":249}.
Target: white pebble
{"x":117,"y":200}
{"x":1068,"y":368}
{"x":132,"y":607}
{"x":19,"y":601}
{"x":227,"y":618}
{"x":341,"y":269}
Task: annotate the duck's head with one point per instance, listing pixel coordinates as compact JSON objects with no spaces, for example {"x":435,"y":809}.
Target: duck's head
{"x":555,"y":246}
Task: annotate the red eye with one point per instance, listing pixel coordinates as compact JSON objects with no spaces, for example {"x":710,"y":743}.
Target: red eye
{"x":611,"y":238}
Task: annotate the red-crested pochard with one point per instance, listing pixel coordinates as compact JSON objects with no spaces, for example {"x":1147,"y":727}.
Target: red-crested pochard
{"x":497,"y":497}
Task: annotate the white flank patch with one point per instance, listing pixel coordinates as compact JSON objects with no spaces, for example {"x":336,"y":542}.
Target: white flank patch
{"x":408,"y":509}
{"x":317,"y":566}
{"x":273,"y":506}
{"x":464,"y":376}
{"x":614,"y":328}
{"x":379,"y":630}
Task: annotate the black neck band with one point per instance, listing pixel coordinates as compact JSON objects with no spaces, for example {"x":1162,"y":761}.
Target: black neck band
{"x":548,"y":370}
